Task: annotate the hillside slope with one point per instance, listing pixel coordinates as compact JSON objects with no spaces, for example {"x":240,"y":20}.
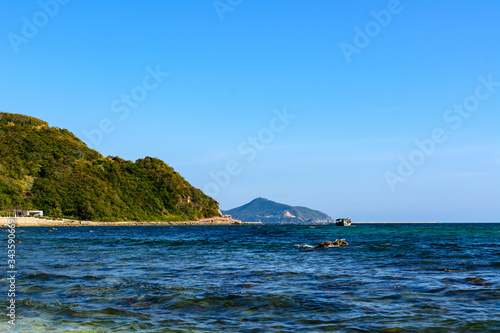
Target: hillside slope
{"x":50,"y":169}
{"x":268,"y":211}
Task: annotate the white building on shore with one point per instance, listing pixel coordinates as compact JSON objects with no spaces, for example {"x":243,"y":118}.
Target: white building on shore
{"x":29,"y":212}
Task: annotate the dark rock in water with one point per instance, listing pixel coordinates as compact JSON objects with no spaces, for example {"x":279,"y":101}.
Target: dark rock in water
{"x":449,"y":270}
{"x":338,"y":242}
{"x":475,"y":280}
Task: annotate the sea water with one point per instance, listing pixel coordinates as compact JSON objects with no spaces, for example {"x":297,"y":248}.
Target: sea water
{"x":257,"y":278}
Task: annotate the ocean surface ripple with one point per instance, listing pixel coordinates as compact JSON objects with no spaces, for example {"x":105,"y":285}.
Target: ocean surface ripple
{"x":258,"y":278}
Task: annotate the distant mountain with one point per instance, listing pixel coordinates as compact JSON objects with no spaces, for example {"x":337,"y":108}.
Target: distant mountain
{"x":50,"y":169}
{"x":268,"y":211}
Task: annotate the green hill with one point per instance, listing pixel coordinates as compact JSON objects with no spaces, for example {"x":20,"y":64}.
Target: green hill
{"x":50,"y":169}
{"x":268,"y":211}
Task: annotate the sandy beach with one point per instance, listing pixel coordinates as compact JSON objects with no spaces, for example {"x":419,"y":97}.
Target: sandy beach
{"x":36,"y":222}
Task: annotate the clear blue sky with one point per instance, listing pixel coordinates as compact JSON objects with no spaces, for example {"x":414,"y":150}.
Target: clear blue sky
{"x":360,"y":91}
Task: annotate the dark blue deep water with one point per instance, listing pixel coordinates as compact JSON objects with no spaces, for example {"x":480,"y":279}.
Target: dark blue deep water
{"x":267,"y":278}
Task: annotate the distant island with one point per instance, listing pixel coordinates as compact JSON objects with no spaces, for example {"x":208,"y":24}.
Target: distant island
{"x":267,"y":211}
{"x":50,"y":169}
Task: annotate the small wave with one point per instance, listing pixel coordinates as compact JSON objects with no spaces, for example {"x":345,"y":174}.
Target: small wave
{"x":304,"y":246}
{"x":181,"y":288}
{"x":44,"y":276}
{"x":92,"y":277}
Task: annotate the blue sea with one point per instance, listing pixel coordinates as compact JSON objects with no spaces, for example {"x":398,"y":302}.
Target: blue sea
{"x":257,"y":278}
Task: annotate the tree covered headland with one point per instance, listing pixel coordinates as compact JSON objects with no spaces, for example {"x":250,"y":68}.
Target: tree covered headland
{"x":50,"y":169}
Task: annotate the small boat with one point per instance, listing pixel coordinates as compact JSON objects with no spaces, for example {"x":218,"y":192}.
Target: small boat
{"x":343,"y":222}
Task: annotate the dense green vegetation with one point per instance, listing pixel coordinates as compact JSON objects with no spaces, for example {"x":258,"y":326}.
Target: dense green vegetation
{"x":50,"y":169}
{"x":268,"y":211}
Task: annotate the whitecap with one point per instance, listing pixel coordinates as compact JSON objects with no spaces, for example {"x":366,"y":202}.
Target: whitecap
{"x":306,"y":246}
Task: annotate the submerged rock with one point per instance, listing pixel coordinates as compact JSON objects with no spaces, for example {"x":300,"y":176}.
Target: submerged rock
{"x":476,"y":280}
{"x":338,"y":242}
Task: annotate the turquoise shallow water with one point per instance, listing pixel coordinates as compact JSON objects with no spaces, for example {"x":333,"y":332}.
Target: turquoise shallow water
{"x":392,"y":278}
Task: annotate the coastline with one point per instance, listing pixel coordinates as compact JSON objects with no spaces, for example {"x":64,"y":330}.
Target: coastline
{"x":35,"y":222}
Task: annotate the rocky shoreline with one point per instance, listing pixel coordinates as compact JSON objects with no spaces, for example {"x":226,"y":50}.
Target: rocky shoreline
{"x":36,"y":222}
